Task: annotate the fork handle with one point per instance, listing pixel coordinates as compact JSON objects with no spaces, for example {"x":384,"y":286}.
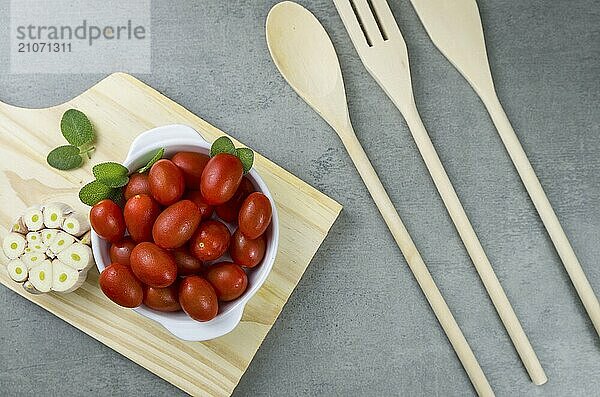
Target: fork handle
{"x":415,"y":263}
{"x":474,"y":248}
{"x":544,"y":208}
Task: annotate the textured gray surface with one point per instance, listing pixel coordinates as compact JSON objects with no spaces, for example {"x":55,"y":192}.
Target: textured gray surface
{"x":358,"y":324}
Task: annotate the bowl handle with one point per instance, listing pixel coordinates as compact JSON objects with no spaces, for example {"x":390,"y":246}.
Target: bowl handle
{"x":154,"y":139}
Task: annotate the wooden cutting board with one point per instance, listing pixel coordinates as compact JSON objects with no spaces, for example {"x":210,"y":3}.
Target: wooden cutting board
{"x":121,"y":107}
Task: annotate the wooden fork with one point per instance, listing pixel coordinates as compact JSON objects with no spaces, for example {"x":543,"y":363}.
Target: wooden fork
{"x":381,"y":47}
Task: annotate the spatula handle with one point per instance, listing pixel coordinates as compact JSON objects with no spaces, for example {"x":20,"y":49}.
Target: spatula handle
{"x":416,"y":264}
{"x":474,"y":248}
{"x":544,"y":208}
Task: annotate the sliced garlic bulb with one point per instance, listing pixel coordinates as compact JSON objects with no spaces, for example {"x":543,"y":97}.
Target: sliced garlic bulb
{"x":61,"y":242}
{"x":33,"y":238}
{"x":17,"y":270}
{"x":34,"y":219}
{"x":37,"y":248}
{"x":76,"y":225}
{"x":14,"y":245}
{"x":33,"y":259}
{"x":65,"y":278}
{"x":27,"y":286}
{"x":48,"y":236}
{"x":19,"y":226}
{"x":41,"y":276}
{"x":55,"y":213}
{"x":78,"y":256}
{"x":44,"y":251}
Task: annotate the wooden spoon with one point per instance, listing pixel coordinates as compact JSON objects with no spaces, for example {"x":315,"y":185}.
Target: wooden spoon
{"x":455,"y":28}
{"x":304,"y":54}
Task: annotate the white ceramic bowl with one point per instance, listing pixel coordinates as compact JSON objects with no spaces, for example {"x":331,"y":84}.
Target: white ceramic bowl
{"x":176,"y":138}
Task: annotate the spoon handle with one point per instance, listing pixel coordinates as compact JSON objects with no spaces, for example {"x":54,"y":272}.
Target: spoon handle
{"x":416,"y":264}
{"x":544,"y":208}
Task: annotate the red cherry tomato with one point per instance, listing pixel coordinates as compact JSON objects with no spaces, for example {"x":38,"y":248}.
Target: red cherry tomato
{"x":247,"y":252}
{"x":107,"y":220}
{"x":198,"y":298}
{"x":229,"y":210}
{"x":166,"y":182}
{"x":121,"y":251}
{"x":255,"y":215}
{"x":153,"y":265}
{"x":206,"y":210}
{"x":221,"y":178}
{"x":163,"y":299}
{"x":187,"y":264}
{"x":138,"y":184}
{"x":176,"y":224}
{"x":120,"y":285}
{"x":192,"y":164}
{"x":210,"y":241}
{"x":228,"y":279}
{"x":140,"y":213}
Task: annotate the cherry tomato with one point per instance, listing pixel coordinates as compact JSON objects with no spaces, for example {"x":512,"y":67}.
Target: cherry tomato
{"x":210,"y":241}
{"x":221,"y":178}
{"x":198,"y":298}
{"x":121,"y":251}
{"x":255,"y":215}
{"x":119,"y":284}
{"x":140,"y":213}
{"x":247,"y":252}
{"x":163,"y":299}
{"x":206,"y":210}
{"x":191,"y":164}
{"x":229,"y":210}
{"x":153,"y":265}
{"x":228,"y":279}
{"x":187,"y":264}
{"x":176,"y":224}
{"x":166,"y":182}
{"x":138,"y":184}
{"x":107,"y":220}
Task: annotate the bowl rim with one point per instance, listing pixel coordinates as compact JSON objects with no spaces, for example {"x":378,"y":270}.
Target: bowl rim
{"x":232,"y":315}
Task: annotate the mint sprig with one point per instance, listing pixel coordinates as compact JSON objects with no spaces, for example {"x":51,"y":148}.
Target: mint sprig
{"x":94,"y":192}
{"x":222,"y":145}
{"x":77,"y":128}
{"x":111,"y":178}
{"x":157,"y":156}
{"x":225,"y":145}
{"x":79,"y":132}
{"x":64,"y":158}
{"x":111,"y":174}
{"x":246,"y":156}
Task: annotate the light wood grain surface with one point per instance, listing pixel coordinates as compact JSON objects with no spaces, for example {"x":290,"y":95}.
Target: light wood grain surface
{"x":121,"y":107}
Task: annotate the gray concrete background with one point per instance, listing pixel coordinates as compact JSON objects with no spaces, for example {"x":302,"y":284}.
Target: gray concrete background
{"x":358,"y":324}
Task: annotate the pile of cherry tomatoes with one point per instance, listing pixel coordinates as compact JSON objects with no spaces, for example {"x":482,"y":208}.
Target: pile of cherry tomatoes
{"x":166,"y":244}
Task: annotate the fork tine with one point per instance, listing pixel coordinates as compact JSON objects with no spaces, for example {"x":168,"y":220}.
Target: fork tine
{"x":368,"y":20}
{"x":386,"y":18}
{"x":356,"y":32}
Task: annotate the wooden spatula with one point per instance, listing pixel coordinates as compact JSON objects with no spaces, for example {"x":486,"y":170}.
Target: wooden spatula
{"x":304,"y":54}
{"x":382,"y":49}
{"x":455,"y":28}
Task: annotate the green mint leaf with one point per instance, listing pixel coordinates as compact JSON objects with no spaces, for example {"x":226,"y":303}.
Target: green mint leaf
{"x":222,"y":145}
{"x":157,"y":156}
{"x":111,"y":174}
{"x":246,"y":156}
{"x":77,"y":128}
{"x":117,"y":196}
{"x":94,"y":192}
{"x":65,"y":158}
